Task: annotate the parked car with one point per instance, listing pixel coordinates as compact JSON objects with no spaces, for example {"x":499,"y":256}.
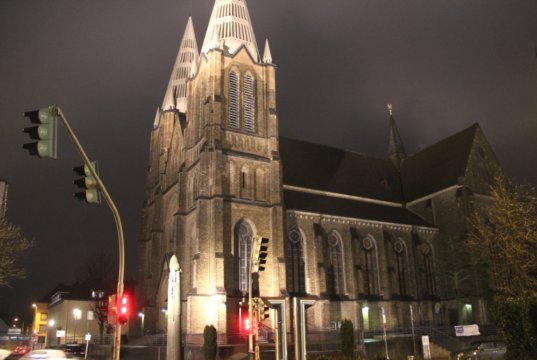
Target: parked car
{"x":20,"y":350}
{"x":4,"y":353}
{"x":49,"y":354}
{"x":74,"y":350}
{"x":485,"y":350}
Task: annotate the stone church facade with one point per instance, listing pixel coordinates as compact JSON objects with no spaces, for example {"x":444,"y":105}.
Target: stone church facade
{"x":359,"y":234}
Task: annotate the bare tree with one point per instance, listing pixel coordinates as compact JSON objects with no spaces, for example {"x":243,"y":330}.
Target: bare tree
{"x":504,"y":237}
{"x":13,"y":247}
{"x":99,"y":273}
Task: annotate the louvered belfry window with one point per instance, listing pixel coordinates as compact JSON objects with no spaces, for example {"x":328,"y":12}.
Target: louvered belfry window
{"x":242,"y":102}
{"x":249,"y":103}
{"x":233,"y":100}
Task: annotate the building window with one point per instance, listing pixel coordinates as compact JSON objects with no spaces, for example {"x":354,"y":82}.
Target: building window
{"x":249,"y":103}
{"x":335,"y":276}
{"x":233,"y":100}
{"x":296,"y":279}
{"x":400,"y":254}
{"x":369,"y":266}
{"x":428,"y":282}
{"x":243,"y":241}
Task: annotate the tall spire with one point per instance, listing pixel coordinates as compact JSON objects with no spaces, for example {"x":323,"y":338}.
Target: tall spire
{"x":230,"y":22}
{"x":396,"y":150}
{"x":175,"y":97}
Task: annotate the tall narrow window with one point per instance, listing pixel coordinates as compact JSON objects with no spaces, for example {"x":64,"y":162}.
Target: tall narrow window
{"x":249,"y":103}
{"x":400,"y":266}
{"x":233,"y":100}
{"x":243,"y":241}
{"x":369,"y":267}
{"x":428,"y":282}
{"x":296,"y":279}
{"x":336,"y":281}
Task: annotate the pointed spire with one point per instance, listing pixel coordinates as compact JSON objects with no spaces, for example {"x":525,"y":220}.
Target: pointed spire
{"x":175,"y":97}
{"x":157,"y":119}
{"x":230,"y":21}
{"x":267,"y":56}
{"x":396,"y":150}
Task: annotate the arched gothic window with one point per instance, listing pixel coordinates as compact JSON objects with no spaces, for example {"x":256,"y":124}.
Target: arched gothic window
{"x":243,"y":241}
{"x":428,"y":283}
{"x":233,"y":100}
{"x":249,"y":103}
{"x":335,"y":273}
{"x":369,"y":266}
{"x":296,"y":279}
{"x":400,"y":255}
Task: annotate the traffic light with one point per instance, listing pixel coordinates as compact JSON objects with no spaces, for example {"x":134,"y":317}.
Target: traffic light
{"x":123,"y":309}
{"x":259,"y":254}
{"x":91,"y":194}
{"x":246,"y":325}
{"x":45,"y":133}
{"x":264,"y":312}
{"x":112,"y":310}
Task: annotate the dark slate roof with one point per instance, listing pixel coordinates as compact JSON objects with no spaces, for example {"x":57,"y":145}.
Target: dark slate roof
{"x":329,"y":169}
{"x":437,"y":166}
{"x":321,"y":204}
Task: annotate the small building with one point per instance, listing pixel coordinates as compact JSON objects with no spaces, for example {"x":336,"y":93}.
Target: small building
{"x":74,"y":311}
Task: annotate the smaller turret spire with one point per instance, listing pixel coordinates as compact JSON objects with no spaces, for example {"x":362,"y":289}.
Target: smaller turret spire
{"x":175,"y":97}
{"x":396,"y":150}
{"x":267,"y":56}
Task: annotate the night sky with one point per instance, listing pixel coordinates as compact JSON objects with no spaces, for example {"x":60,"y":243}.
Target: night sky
{"x":443,"y":64}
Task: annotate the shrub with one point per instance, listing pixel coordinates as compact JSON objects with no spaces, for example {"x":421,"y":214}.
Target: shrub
{"x":209,"y":342}
{"x":347,"y":338}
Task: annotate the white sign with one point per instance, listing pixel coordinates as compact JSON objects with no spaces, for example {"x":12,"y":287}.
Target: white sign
{"x":14,"y":331}
{"x":87,"y":337}
{"x":60,"y":333}
{"x":467,"y":330}
{"x":426,"y":347}
{"x":90,"y":315}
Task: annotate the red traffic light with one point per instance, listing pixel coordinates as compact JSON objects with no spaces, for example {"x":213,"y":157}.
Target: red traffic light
{"x":123,"y":309}
{"x":246,"y":325}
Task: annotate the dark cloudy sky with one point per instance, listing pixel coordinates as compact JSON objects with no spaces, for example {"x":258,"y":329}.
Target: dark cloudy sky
{"x":444,"y":64}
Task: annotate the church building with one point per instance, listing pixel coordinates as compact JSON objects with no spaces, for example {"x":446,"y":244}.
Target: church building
{"x":361,"y":235}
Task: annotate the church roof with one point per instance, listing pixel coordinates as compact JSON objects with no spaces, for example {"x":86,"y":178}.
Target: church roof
{"x":323,"y":168}
{"x":175,"y":97}
{"x":438,"y":166}
{"x":327,"y":205}
{"x":230,"y":23}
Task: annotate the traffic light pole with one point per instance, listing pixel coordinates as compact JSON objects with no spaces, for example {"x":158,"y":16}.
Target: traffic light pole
{"x":117,"y":218}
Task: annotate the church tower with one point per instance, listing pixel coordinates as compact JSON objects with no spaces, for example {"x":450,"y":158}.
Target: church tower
{"x":214,"y":180}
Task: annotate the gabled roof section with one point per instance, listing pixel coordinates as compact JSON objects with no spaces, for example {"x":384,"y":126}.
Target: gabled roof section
{"x":230,"y":25}
{"x":175,"y":98}
{"x":326,"y":205}
{"x":323,"y":168}
{"x":438,"y":166}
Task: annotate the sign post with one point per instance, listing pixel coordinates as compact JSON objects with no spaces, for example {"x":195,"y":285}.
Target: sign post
{"x":87,"y":337}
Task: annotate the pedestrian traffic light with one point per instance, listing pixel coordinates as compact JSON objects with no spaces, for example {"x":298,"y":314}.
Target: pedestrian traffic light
{"x":259,"y":254}
{"x":123,"y":309}
{"x":91,"y":193}
{"x":45,"y":133}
